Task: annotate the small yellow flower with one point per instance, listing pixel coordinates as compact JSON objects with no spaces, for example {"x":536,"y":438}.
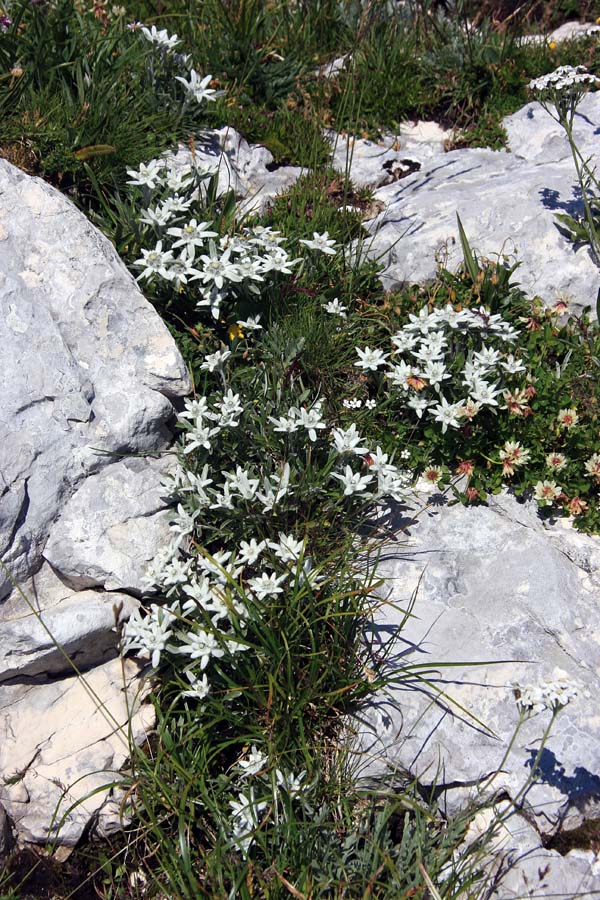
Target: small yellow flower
{"x":552,"y":45}
{"x":235,"y":332}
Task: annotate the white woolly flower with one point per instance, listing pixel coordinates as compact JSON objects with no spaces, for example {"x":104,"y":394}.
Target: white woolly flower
{"x":199,"y":687}
{"x":320,"y":242}
{"x":266,"y":585}
{"x":353,"y":483}
{"x":369,"y":359}
{"x":310,"y":419}
{"x":245,"y":819}
{"x":148,"y":175}
{"x":404,"y":341}
{"x":435,"y":372}
{"x":287,"y":548}
{"x":215,"y":361}
{"x":200,"y":645}
{"x":447,"y":413}
{"x":154,"y":262}
{"x":198,"y":87}
{"x":418,"y":405}
{"x":254,"y":762}
{"x":399,"y":374}
{"x":250,"y":551}
{"x":335,"y":308}
{"x":192,"y":234}
{"x":250,"y":324}
{"x":160,"y":38}
{"x":218,"y":268}
{"x":348,"y":441}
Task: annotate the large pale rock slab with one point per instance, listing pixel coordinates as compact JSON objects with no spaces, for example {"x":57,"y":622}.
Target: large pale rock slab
{"x":533,"y":135}
{"x":568,"y":31}
{"x":247,"y":169}
{"x":372,"y":164}
{"x":507,"y":203}
{"x":112,"y":527}
{"x":47,"y":628}
{"x":545,"y":873}
{"x":62,"y":745}
{"x":88,"y":368}
{"x":498,"y":600}
{"x":516,"y":865}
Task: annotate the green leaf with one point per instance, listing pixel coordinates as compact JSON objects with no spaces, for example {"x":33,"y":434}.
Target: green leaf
{"x":471,"y":264}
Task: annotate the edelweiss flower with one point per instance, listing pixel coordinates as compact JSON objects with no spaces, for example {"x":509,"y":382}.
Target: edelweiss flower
{"x":219,"y":269}
{"x":320,"y":242}
{"x":266,"y":585}
{"x":448,"y":413}
{"x":198,"y":87}
{"x":215,"y":361}
{"x":348,"y":441}
{"x":155,"y":262}
{"x":160,"y":38}
{"x":353,"y":483}
{"x":335,"y":308}
{"x":287,"y":548}
{"x":254,"y":762}
{"x":370,"y":360}
{"x":192,"y":234}
{"x":148,"y":174}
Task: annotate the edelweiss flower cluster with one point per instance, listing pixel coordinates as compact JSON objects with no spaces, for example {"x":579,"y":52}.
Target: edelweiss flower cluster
{"x":190,"y":252}
{"x":565,"y":78}
{"x":247,"y":809}
{"x":208,"y":612}
{"x":196,"y":87}
{"x":449,"y":364}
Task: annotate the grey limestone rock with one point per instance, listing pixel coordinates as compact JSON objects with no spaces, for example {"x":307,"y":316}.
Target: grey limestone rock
{"x":88,"y":369}
{"x":568,"y":31}
{"x":247,"y":169}
{"x":497,"y":601}
{"x":545,"y":873}
{"x":62,"y":745}
{"x":47,"y":627}
{"x":373,"y":164}
{"x":516,"y":865}
{"x":112,"y":526}
{"x":507,"y":202}
{"x":88,"y":377}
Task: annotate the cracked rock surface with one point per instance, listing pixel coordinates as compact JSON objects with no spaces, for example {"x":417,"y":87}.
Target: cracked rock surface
{"x":61,"y":741}
{"x":109,"y":529}
{"x":247,"y":169}
{"x":88,"y":369}
{"x":495,"y":597}
{"x":507,"y":200}
{"x":88,"y":377}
